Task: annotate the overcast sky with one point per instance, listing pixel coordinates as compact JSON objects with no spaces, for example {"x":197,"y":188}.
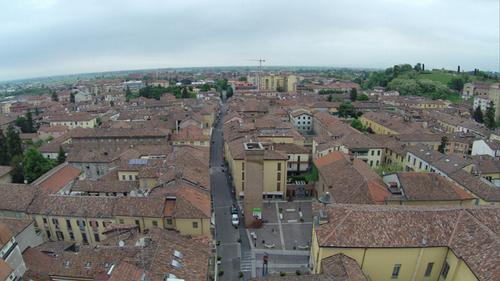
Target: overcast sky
{"x":48,"y":37}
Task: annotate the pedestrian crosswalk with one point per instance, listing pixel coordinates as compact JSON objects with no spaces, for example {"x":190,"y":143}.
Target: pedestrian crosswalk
{"x":246,"y":262}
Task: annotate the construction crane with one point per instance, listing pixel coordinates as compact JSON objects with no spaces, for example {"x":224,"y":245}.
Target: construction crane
{"x":259,"y":72}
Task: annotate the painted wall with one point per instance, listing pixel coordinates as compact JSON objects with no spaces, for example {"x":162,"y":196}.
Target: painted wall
{"x":379,"y":263}
{"x":186,"y":227}
{"x":92,"y":123}
{"x":75,"y":231}
{"x":376,"y":127}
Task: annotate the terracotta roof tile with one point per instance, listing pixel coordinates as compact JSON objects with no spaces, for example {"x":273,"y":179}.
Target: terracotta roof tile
{"x":16,"y":197}
{"x":59,"y":179}
{"x":430,"y":186}
{"x":350,"y":181}
{"x":467,"y":231}
{"x":5,"y":270}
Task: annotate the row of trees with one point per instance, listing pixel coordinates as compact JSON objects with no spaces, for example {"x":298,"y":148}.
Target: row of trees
{"x":155,"y":92}
{"x":26,"y":166}
{"x":488,"y":118}
{"x":26,"y":124}
{"x":353,"y":96}
{"x":223,"y":85}
{"x":407,"y":86}
{"x":10,"y":145}
{"x":346,"y":110}
{"x":55,"y":97}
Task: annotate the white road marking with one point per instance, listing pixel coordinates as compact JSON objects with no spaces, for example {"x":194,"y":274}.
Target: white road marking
{"x":280,"y":228}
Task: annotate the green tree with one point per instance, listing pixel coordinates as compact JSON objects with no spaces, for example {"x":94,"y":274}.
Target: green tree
{"x":330,"y":98}
{"x":35,"y":165}
{"x":478,"y":115}
{"x":21,"y":123}
{"x":54,"y":96}
{"x":489,"y":117}
{"x":417,"y":67}
{"x":353,"y":94}
{"x":242,"y":78}
{"x":111,"y":103}
{"x":4,"y":154}
{"x":346,"y":109}
{"x":363,"y":97}
{"x":17,"y":172}
{"x":14,"y":146}
{"x":205,"y":88}
{"x":30,"y":127}
{"x":404,"y":86}
{"x":356,"y":124}
{"x":61,"y":156}
{"x":221,"y":84}
{"x":443,"y":144}
{"x":378,"y":78}
{"x":385,"y":169}
{"x":185,"y":93}
{"x":128,"y":94}
{"x":72,"y":98}
{"x":229,"y":92}
{"x":456,"y":83}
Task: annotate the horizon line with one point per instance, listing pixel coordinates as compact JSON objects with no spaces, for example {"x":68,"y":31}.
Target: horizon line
{"x":215,"y":66}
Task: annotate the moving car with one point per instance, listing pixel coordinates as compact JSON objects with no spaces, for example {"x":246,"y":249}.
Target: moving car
{"x":235,"y":221}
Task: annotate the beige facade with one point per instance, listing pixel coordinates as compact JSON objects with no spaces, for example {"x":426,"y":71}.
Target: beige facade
{"x":92,"y":123}
{"x":72,"y":229}
{"x":278,"y":83}
{"x":379,"y":263}
{"x":253,"y":166}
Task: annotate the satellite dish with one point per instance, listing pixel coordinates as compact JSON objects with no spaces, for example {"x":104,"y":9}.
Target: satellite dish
{"x":121,"y":243}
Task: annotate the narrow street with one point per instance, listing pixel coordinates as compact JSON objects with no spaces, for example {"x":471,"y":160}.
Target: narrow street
{"x":229,"y":248}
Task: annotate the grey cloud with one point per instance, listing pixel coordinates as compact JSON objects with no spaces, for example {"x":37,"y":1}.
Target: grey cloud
{"x":56,"y":37}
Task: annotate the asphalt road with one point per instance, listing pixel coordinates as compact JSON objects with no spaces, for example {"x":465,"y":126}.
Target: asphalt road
{"x":229,"y":248}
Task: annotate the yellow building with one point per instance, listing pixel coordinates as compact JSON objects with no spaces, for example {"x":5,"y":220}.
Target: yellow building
{"x":187,"y":206}
{"x":278,"y":83}
{"x":383,"y":123}
{"x":178,"y":205}
{"x":375,"y":127}
{"x":275,"y":170}
{"x":85,"y":219}
{"x":65,"y":218}
{"x":74,"y":120}
{"x":410,"y":243}
{"x":485,"y":167}
{"x":414,"y":188}
{"x":425,"y":104}
{"x":454,"y":168}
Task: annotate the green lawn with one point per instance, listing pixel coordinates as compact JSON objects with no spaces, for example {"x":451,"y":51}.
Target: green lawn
{"x":438,"y":76}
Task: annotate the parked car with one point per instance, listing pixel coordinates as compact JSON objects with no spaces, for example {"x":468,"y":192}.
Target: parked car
{"x":235,"y":221}
{"x":234,"y":210}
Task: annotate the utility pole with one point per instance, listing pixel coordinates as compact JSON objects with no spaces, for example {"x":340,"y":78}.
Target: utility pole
{"x":259,"y":72}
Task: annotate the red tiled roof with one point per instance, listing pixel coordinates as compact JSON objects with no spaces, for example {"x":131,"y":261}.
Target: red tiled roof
{"x":126,"y":272}
{"x":5,"y":270}
{"x":470,"y":232}
{"x":60,"y":178}
{"x":351,"y":181}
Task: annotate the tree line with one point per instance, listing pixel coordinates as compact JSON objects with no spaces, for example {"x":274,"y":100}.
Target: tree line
{"x":27,"y":165}
{"x":487,"y":118}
